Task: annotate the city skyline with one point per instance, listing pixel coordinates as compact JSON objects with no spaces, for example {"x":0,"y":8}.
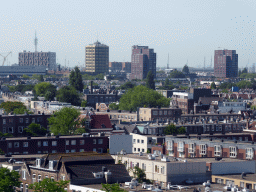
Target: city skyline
{"x":188,"y":31}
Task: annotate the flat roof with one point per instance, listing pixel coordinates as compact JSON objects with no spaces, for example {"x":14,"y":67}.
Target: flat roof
{"x":248,"y":177}
{"x":181,"y":160}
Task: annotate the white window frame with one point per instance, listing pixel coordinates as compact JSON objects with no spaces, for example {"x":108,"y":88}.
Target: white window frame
{"x":232,"y":152}
{"x":73,"y":142}
{"x":16,"y":144}
{"x":4,"y":121}
{"x":100,"y":141}
{"x":54,"y":143}
{"x":67,"y":142}
{"x":39,"y":178}
{"x":249,"y":153}
{"x":170,"y":145}
{"x":51,"y":165}
{"x":191,"y":148}
{"x":203,"y":149}
{"x":24,"y":174}
{"x":20,"y":129}
{"x":33,"y":178}
{"x":25,"y":144}
{"x":45,"y":143}
{"x":217,"y":150}
{"x":181,"y":146}
{"x":94,"y":141}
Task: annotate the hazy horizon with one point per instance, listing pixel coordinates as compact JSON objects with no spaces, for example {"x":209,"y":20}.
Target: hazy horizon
{"x":187,"y":30}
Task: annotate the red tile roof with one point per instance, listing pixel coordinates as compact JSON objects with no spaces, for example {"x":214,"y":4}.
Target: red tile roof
{"x":98,"y":120}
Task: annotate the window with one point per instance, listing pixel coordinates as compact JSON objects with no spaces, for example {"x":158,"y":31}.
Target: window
{"x":21,"y":120}
{"x":39,"y":143}
{"x":156,"y":169}
{"x":162,"y":169}
{"x":4,"y":129}
{"x":33,"y":178}
{"x":39,"y":152}
{"x":24,"y":174}
{"x":25,"y":144}
{"x":81,"y":142}
{"x":138,"y":141}
{"x":73,"y":150}
{"x":134,"y":140}
{"x":33,"y":120}
{"x":94,"y":150}
{"x":27,"y":120}
{"x":217,"y":150}
{"x":4,"y":121}
{"x":73,"y":142}
{"x":67,"y":151}
{"x":10,"y":130}
{"x":9,"y":145}
{"x":100,"y":141}
{"x":54,"y":151}
{"x":45,"y":143}
{"x":144,"y":166}
{"x":45,"y":151}
{"x":94,"y":141}
{"x":232,"y":152}
{"x":20,"y":129}
{"x":54,"y":143}
{"x":134,"y":149}
{"x":202,"y":149}
{"x":10,"y":120}
{"x":170,"y":145}
{"x":191,"y":148}
{"x":25,"y":152}
{"x":21,"y":187}
{"x":249,"y":153}
{"x":100,"y":150}
{"x":16,"y":144}
{"x":242,"y":184}
{"x":39,"y":178}
{"x":50,"y":164}
{"x":143,"y":150}
{"x":67,"y":142}
{"x":81,"y":150}
{"x":63,"y":177}
{"x":142,"y":141}
{"x":138,"y":149}
{"x":180,"y":147}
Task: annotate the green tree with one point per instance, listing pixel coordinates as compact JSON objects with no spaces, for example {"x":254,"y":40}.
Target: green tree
{"x":45,"y":89}
{"x":244,"y":70}
{"x":170,"y":129}
{"x":84,"y":103}
{"x":150,"y":83}
{"x":38,"y":77}
{"x":69,"y":94}
{"x":75,"y":79}
{"x":182,"y":130}
{"x":139,"y":174}
{"x":177,"y":74}
{"x":113,"y":106}
{"x":141,"y":96}
{"x":126,"y":86}
{"x":15,"y":106}
{"x":185,"y":69}
{"x":9,"y":180}
{"x":35,"y":129}
{"x":213,"y":85}
{"x":64,"y":121}
{"x":48,"y":185}
{"x":1,"y":152}
{"x":25,"y":76}
{"x":112,"y":187}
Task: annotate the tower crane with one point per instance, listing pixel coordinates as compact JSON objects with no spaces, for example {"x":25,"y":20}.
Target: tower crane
{"x":5,"y":57}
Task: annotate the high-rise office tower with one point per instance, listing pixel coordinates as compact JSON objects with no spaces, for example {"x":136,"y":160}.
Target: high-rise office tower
{"x":97,"y":58}
{"x":225,"y":63}
{"x":143,"y":61}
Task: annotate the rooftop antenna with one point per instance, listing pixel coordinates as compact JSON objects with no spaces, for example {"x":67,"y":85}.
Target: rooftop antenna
{"x":35,"y":42}
{"x":168,"y":62}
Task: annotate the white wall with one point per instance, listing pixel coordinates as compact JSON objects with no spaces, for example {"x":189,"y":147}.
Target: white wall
{"x":233,"y":167}
{"x":119,"y":142}
{"x":83,"y":189}
{"x":140,"y":142}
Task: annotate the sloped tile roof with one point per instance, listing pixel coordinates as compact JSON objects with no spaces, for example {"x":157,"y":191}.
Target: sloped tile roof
{"x":98,"y":120}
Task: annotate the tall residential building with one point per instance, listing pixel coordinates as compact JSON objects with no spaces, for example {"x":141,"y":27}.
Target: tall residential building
{"x":97,"y":58}
{"x":143,"y":61}
{"x":120,"y":67}
{"x":225,"y":63}
{"x":47,"y":59}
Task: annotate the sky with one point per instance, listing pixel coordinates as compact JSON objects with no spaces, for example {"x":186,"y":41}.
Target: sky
{"x":188,"y":30}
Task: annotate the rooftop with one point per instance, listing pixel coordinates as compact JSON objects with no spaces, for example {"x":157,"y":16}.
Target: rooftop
{"x":248,"y":177}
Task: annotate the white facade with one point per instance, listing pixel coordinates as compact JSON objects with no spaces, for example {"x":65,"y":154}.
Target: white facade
{"x":120,"y":142}
{"x":182,"y":95}
{"x":225,"y":107}
{"x":164,"y":172}
{"x":77,"y":188}
{"x":139,"y":143}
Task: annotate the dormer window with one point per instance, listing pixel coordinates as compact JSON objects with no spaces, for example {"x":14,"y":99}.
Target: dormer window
{"x":51,"y":165}
{"x":38,"y":162}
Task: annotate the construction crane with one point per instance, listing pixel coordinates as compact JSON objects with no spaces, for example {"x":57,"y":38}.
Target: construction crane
{"x":5,"y":57}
